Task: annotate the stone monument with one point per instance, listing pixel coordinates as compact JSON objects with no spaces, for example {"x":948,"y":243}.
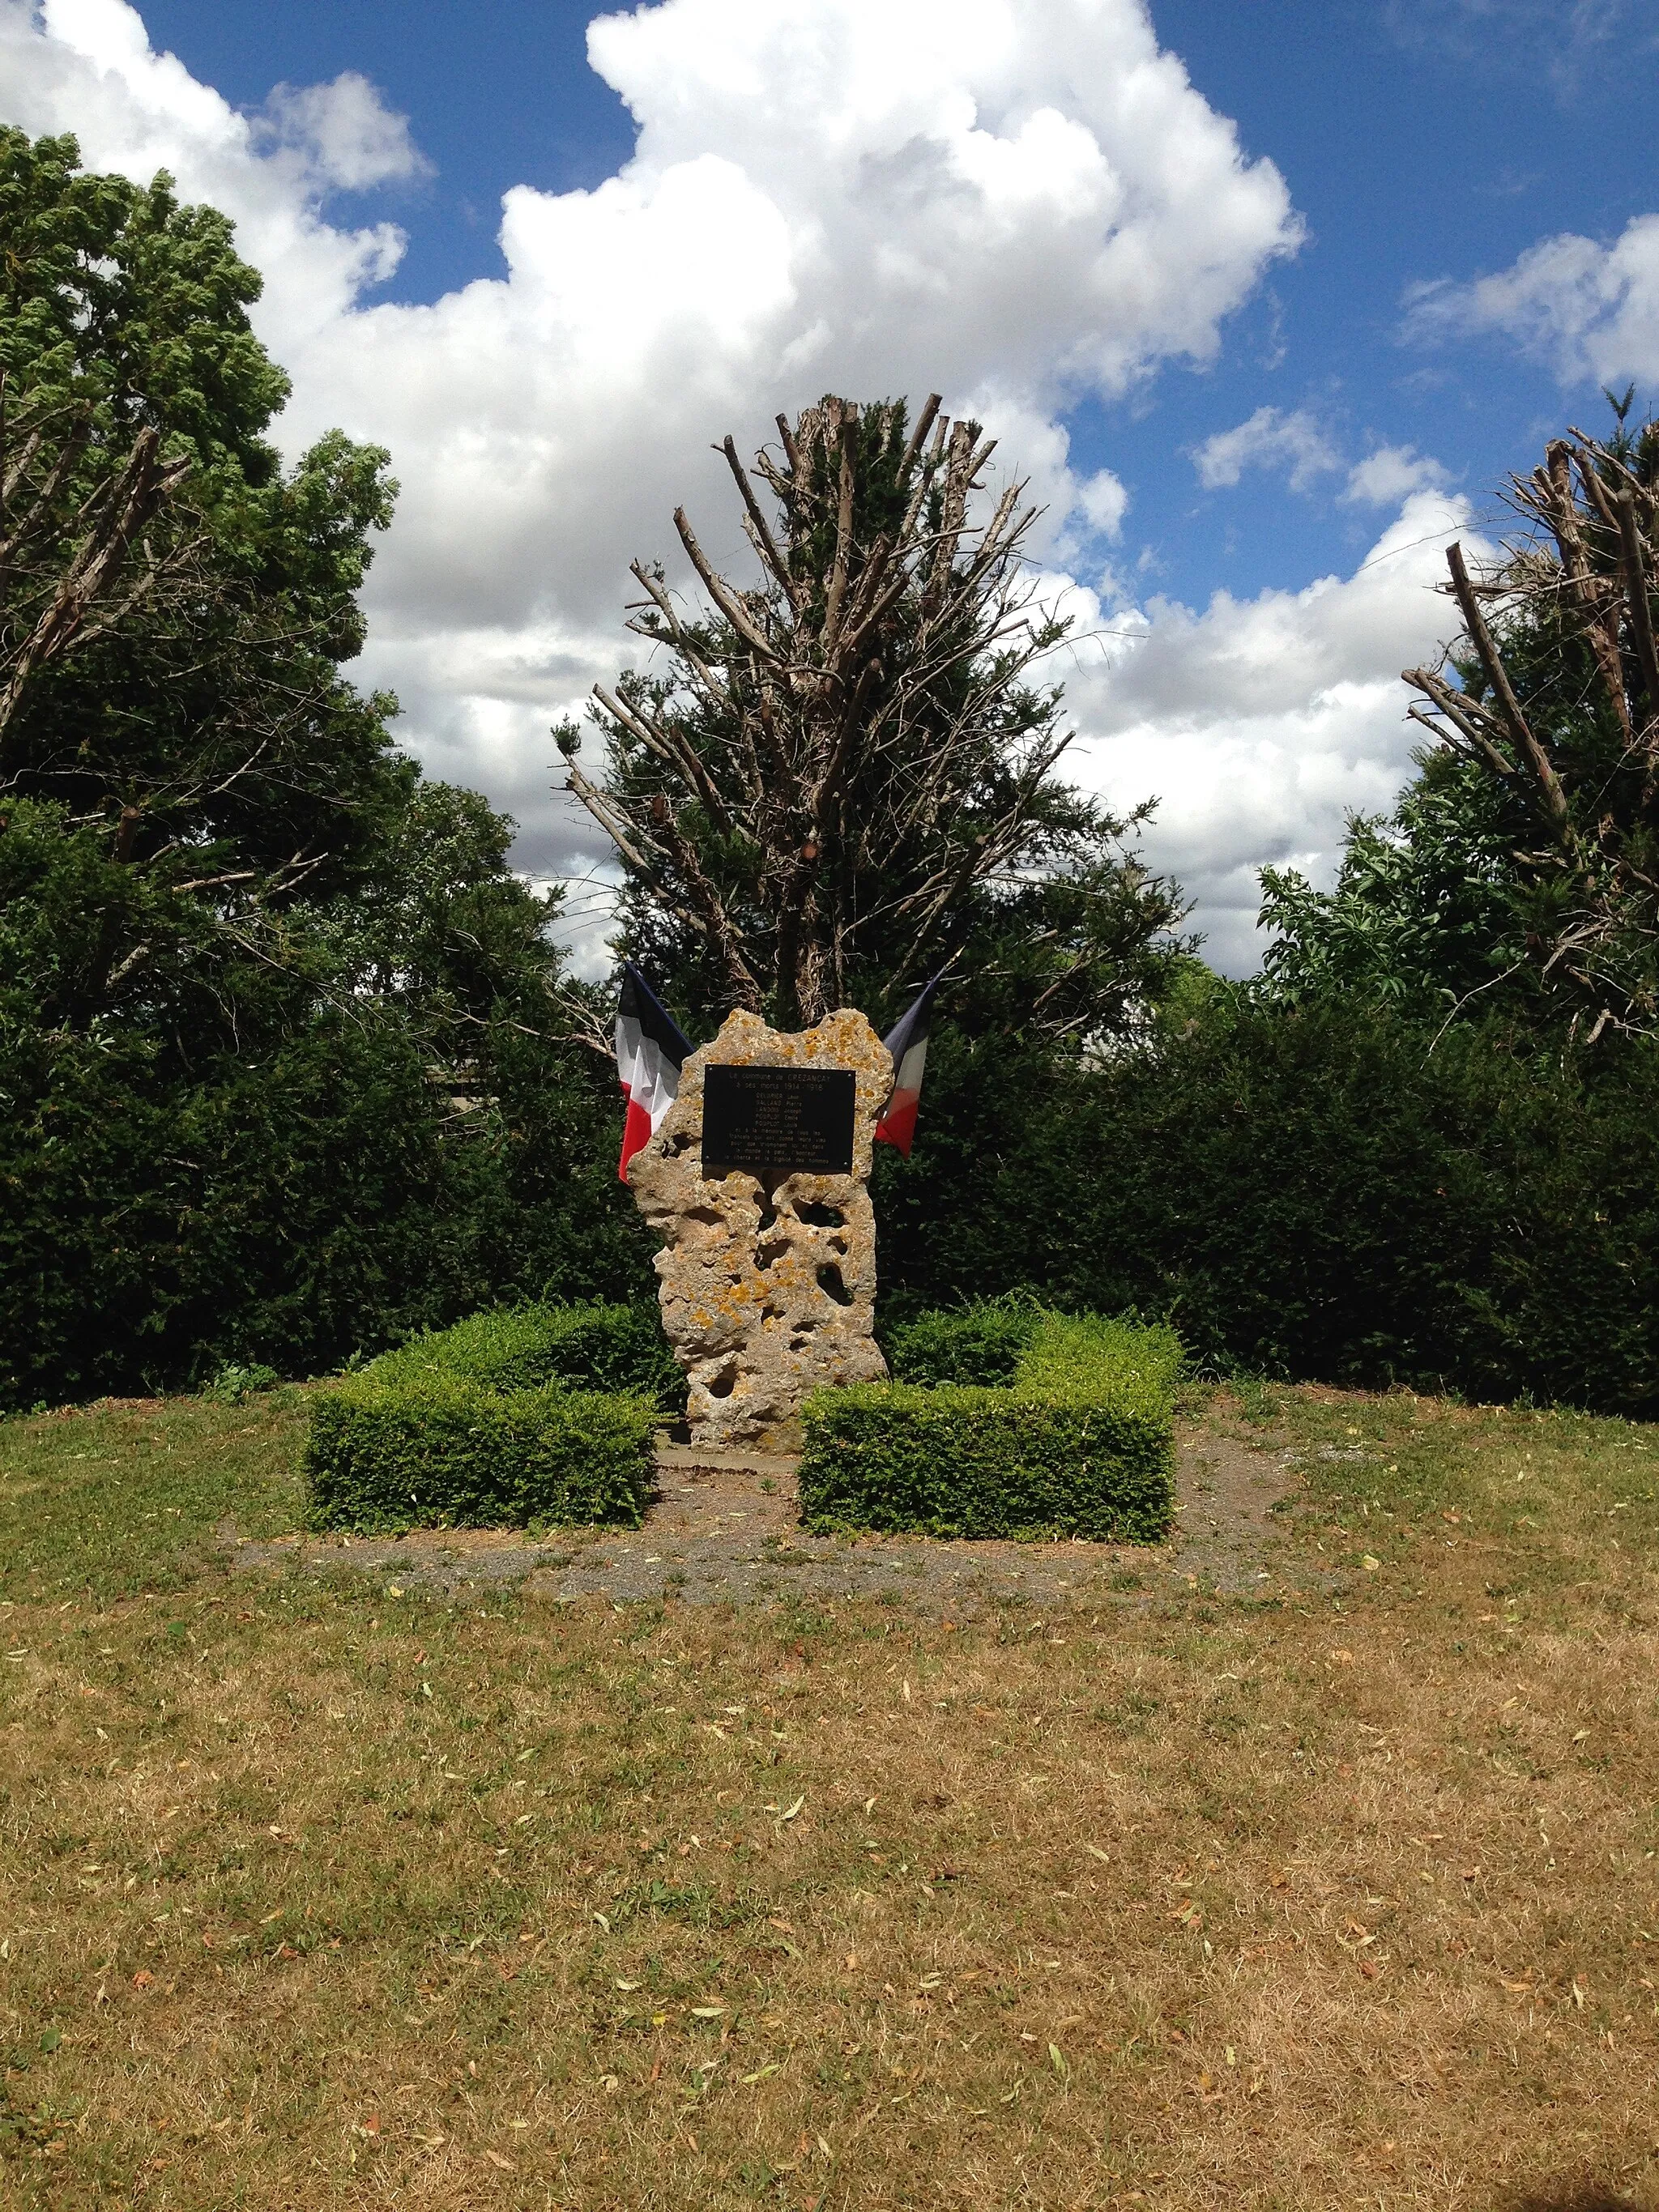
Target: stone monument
{"x":756,"y":1181}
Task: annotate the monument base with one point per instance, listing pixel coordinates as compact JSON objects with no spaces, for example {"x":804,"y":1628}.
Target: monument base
{"x":766,"y":1275}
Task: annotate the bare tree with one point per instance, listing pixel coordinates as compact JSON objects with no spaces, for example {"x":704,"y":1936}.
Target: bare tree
{"x":1554,"y":690}
{"x":827,"y":769}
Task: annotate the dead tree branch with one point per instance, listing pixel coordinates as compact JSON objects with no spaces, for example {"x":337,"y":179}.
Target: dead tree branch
{"x":1560,"y":702}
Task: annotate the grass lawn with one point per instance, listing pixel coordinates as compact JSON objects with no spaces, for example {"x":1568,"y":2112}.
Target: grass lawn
{"x":317,"y":1896}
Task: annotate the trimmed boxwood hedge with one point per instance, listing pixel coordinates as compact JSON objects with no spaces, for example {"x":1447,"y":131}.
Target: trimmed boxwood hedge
{"x":983,"y":1343}
{"x":1079,"y":1442}
{"x":477,"y":1426}
{"x":592,"y":1347}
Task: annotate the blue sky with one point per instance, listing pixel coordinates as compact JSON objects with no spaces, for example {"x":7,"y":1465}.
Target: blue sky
{"x":1259,"y":382}
{"x":1395,"y":127}
{"x":497,"y":95}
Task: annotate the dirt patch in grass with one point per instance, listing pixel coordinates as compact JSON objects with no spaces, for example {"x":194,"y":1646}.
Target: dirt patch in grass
{"x":727,"y":1528}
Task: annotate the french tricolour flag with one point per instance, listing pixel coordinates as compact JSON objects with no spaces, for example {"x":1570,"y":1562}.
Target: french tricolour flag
{"x":651,"y":1049}
{"x":908,"y":1042}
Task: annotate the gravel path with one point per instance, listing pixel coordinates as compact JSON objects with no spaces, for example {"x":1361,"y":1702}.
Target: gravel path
{"x":722,"y":1528}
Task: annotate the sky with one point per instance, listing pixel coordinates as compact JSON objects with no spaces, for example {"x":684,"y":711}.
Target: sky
{"x":1265,"y":299}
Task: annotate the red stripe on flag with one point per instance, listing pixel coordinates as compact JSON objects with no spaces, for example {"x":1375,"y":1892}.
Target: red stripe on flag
{"x":636,"y":1134}
{"x":897,"y":1126}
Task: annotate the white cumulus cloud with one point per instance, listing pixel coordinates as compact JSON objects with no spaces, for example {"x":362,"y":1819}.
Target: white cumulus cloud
{"x":1018,"y":207}
{"x":1590,"y":311}
{"x":88,"y":66}
{"x":1262,"y":723}
{"x":344,"y":133}
{"x":1103,"y":502}
{"x":1391,"y":474}
{"x":1272,"y":438}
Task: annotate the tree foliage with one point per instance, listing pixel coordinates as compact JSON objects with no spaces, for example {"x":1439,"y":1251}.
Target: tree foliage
{"x":1523,"y":869}
{"x":177,"y":683}
{"x":1309,"y":1191}
{"x":824,"y":785}
{"x":1423,"y":919}
{"x":280,"y":1059}
{"x":128,"y":369}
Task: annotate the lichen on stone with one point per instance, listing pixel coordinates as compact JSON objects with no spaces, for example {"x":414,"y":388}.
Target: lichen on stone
{"x":768,"y":1286}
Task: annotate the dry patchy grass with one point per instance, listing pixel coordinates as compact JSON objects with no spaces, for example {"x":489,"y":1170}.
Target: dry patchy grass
{"x":322,"y":1898}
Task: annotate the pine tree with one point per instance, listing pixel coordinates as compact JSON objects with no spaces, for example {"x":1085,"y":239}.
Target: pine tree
{"x":829,"y":782}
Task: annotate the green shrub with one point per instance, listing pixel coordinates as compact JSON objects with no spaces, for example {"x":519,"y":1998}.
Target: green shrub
{"x":233,"y":1384}
{"x":1327,"y":1193}
{"x":978,"y":1344}
{"x":1080,"y":1443}
{"x":521,"y":1415}
{"x":584,"y":1347}
{"x":435,"y":1448}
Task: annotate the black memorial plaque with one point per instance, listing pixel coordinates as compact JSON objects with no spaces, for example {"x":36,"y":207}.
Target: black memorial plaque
{"x":787,"y":1120}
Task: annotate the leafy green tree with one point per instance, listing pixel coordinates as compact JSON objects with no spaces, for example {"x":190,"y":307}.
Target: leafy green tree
{"x":1423,"y":919}
{"x":283,"y":1159}
{"x":1522,"y":869}
{"x":282,"y":1068}
{"x":825,"y":784}
{"x":127,"y":370}
{"x":174,"y":679}
{"x":1305,"y":1191}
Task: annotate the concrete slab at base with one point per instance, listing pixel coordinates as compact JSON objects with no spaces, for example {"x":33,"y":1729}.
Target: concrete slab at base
{"x":686,"y":1459}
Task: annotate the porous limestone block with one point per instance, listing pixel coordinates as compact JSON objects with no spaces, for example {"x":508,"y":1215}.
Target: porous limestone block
{"x":768,"y":1289}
